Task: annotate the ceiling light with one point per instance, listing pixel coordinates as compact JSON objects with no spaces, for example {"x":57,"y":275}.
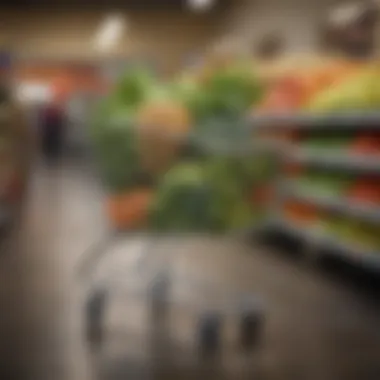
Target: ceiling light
{"x":109,"y":31}
{"x":200,"y":5}
{"x":345,"y":14}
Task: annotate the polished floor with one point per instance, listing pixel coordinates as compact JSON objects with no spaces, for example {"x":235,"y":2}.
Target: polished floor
{"x":39,"y":294}
{"x":315,"y":328}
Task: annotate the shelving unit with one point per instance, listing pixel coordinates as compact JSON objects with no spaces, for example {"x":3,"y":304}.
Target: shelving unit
{"x":329,"y":160}
{"x":364,"y":211}
{"x":307,"y":121}
{"x":321,"y":241}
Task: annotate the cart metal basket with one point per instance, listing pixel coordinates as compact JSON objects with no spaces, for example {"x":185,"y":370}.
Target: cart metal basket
{"x":159,"y":305}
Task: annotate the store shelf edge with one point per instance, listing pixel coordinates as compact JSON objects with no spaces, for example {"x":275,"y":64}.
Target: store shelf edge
{"x":367,"y":212}
{"x":367,"y":163}
{"x":321,"y":241}
{"x":305,"y":120}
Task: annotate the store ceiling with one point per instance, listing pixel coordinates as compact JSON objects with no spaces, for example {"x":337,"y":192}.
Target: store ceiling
{"x":156,"y":5}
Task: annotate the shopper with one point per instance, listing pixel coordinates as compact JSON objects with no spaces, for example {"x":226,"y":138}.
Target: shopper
{"x":52,"y":131}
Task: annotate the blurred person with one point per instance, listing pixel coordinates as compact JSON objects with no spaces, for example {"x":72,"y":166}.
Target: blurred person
{"x":53,"y":123}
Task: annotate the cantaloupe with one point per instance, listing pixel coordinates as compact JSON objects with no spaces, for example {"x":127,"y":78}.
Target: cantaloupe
{"x":162,"y":126}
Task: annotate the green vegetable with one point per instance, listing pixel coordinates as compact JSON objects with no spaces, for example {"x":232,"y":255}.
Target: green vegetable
{"x":203,"y":196}
{"x":114,"y":140}
{"x":324,"y":184}
{"x":134,"y":87}
{"x":113,"y":129}
{"x":228,"y":92}
{"x":185,"y":201}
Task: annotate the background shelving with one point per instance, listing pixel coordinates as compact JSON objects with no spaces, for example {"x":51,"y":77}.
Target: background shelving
{"x":316,"y":239}
{"x":362,"y":210}
{"x":343,"y":200}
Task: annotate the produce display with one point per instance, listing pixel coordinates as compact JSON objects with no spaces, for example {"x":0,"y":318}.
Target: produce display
{"x":306,"y":89}
{"x":170,"y":153}
{"x":173,"y":154}
{"x":359,"y":92}
{"x":345,"y":231}
{"x":343,"y":89}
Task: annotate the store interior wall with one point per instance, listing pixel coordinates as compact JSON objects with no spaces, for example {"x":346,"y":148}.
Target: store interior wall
{"x":165,"y":38}
{"x":297,"y":21}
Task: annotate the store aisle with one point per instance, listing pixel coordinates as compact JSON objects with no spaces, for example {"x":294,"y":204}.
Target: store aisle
{"x":314,"y":327}
{"x":61,"y":220}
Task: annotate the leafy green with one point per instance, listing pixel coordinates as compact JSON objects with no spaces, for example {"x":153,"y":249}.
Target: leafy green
{"x":228,"y":92}
{"x":184,"y":201}
{"x":114,"y":139}
{"x":134,"y":87}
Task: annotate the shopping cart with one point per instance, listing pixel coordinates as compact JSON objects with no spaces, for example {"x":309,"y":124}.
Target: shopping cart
{"x":144,"y":304}
{"x":164,"y":306}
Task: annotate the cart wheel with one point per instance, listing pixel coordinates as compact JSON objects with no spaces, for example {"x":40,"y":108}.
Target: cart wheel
{"x":160,"y":295}
{"x":250,"y":325}
{"x":95,"y":309}
{"x":209,"y":334}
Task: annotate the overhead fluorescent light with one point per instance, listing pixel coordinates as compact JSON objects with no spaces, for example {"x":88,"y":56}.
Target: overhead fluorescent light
{"x":33,"y":92}
{"x":110,"y":32}
{"x":345,"y":14}
{"x":200,"y":5}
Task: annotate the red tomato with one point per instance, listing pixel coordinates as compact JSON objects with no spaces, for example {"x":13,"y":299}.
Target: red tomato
{"x":366,"y":143}
{"x":366,"y":190}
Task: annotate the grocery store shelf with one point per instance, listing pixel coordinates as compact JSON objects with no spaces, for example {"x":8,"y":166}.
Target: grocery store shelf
{"x":323,"y":242}
{"x":335,"y":160}
{"x":305,"y":120}
{"x":341,"y":205}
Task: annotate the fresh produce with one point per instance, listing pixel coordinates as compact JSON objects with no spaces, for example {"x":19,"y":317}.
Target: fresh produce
{"x":324,"y":183}
{"x":366,"y":143}
{"x":115,"y":145}
{"x":330,"y":143}
{"x":184,"y":201}
{"x":202,"y":196}
{"x":353,"y":232}
{"x":222,"y":136}
{"x":226,"y":91}
{"x":301,"y":212}
{"x":359,"y":92}
{"x":162,"y":125}
{"x":114,"y":130}
{"x":138,"y":134}
{"x":130,"y":209}
{"x":288,"y":94}
{"x":365,"y":190}
{"x":296,"y":89}
{"x":134,"y":88}
{"x":262,"y":195}
{"x":293,"y":170}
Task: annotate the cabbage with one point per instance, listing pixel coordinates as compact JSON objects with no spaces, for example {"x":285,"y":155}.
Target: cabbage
{"x":227,"y":92}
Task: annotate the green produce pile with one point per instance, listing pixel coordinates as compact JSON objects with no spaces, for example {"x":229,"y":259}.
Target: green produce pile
{"x":320,"y":183}
{"x":328,"y":143}
{"x":228,"y":92}
{"x":356,"y":233}
{"x":207,"y":190}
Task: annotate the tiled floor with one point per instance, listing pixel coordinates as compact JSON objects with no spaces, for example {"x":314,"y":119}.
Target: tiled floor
{"x":315,"y":329}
